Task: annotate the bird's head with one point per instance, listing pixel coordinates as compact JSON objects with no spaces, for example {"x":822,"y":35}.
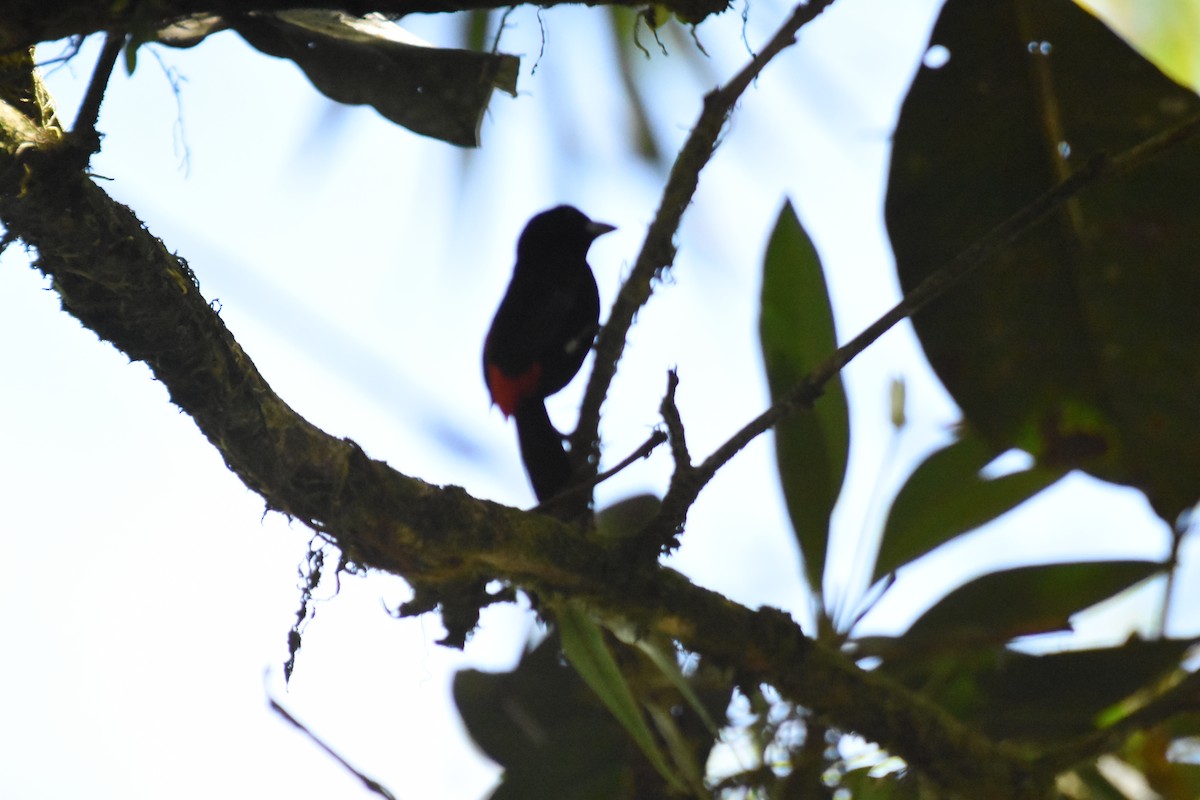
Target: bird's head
{"x":561,"y":234}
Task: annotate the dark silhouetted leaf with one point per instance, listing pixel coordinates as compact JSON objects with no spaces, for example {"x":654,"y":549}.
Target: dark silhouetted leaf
{"x":546,"y":728}
{"x":626,"y":517}
{"x":1013,"y":695}
{"x":1078,"y":343}
{"x":797,"y":333}
{"x":371,"y":60}
{"x":1024,"y":601}
{"x":946,"y":497}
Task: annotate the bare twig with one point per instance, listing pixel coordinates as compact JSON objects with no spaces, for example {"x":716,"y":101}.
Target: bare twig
{"x":658,"y":249}
{"x":648,"y":446}
{"x":574,"y":492}
{"x":89,"y":110}
{"x":674,"y":422}
{"x":370,"y":784}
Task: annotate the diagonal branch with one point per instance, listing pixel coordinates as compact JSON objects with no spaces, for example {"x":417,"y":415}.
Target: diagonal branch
{"x":658,"y":249}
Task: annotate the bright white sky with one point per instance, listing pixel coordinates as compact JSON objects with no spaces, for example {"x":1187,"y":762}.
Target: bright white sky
{"x":145,"y":609}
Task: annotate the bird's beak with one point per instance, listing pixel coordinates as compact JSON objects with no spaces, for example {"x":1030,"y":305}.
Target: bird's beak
{"x":599,"y":228}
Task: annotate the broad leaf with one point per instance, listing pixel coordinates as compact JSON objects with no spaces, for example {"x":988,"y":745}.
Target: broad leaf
{"x":1023,"y":601}
{"x":1077,"y":343}
{"x":371,"y":60}
{"x":1013,"y":695}
{"x":946,"y":496}
{"x":543,"y":725}
{"x":1164,"y":31}
{"x":626,"y":517}
{"x":797,"y":332}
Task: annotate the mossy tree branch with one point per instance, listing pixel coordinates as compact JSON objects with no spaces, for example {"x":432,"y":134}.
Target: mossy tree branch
{"x":27,"y":22}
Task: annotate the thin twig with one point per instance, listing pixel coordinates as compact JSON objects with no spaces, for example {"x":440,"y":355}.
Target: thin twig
{"x":674,"y":422}
{"x":686,"y":487}
{"x":658,"y":249}
{"x":643,"y":451}
{"x":501,"y":28}
{"x":89,"y":110}
{"x":648,"y":446}
{"x":372,"y":785}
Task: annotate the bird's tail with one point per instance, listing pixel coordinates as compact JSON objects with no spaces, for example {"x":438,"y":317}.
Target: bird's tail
{"x":542,"y":450}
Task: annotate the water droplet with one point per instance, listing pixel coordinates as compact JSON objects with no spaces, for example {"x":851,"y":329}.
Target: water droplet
{"x":936,"y":57}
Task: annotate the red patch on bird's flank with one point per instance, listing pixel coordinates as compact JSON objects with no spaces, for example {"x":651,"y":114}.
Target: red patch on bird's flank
{"x":509,"y":391}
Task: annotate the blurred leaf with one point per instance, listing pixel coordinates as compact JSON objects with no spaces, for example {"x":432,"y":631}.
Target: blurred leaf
{"x":624,"y":24}
{"x":1077,"y":343}
{"x":1014,"y":695}
{"x":1150,"y":752}
{"x":898,"y":396}
{"x":583,"y":645}
{"x":1023,"y":601}
{"x":555,"y":738}
{"x":946,"y":497}
{"x":626,"y":517}
{"x":1095,"y":786}
{"x":662,"y":687}
{"x":1187,"y":726}
{"x":1164,"y":31}
{"x":661,"y":653}
{"x":371,"y":60}
{"x":895,"y":786}
{"x":130,"y":52}
{"x":797,"y":332}
{"x":475,"y":24}
{"x":543,"y":725}
{"x":189,"y":31}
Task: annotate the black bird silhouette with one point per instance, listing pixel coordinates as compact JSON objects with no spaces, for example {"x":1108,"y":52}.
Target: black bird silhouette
{"x":542,"y":333}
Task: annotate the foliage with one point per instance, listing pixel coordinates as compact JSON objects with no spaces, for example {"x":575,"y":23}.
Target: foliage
{"x":960,"y":652}
{"x":1055,"y":344}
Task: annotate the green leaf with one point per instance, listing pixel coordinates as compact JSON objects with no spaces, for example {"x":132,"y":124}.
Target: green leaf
{"x":797,"y":332}
{"x":1023,"y":601}
{"x":626,"y":517}
{"x":1164,"y":31}
{"x":548,"y":731}
{"x":662,"y":655}
{"x":1013,"y":695}
{"x":1076,"y":343}
{"x":131,"y":48}
{"x":583,"y":645}
{"x":946,"y":497}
